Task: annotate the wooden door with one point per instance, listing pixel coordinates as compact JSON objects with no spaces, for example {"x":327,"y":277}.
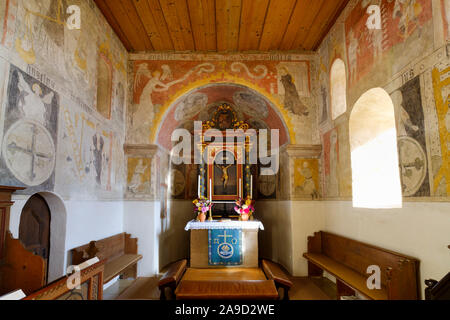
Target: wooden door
{"x":34,"y":228}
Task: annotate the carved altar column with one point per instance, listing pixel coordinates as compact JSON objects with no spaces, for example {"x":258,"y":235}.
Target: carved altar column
{"x":303,"y":181}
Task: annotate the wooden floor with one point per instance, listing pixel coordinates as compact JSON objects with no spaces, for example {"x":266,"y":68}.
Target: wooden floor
{"x":304,"y":288}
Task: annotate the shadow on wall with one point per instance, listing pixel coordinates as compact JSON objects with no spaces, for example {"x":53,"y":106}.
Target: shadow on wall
{"x":275,"y":241}
{"x":173,"y":239}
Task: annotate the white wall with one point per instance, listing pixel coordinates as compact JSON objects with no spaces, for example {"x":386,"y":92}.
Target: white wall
{"x":276,"y":241}
{"x":142,"y":220}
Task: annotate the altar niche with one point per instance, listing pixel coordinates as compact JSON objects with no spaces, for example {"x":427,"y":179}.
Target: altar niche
{"x":225,"y":174}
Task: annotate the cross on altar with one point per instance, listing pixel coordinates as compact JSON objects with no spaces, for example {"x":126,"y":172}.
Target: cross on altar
{"x":225,"y":236}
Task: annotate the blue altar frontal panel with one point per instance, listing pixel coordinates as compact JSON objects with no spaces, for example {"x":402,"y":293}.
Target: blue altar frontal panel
{"x":225,"y":247}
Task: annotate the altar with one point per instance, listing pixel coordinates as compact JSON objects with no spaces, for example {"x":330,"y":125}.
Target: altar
{"x":204,"y":245}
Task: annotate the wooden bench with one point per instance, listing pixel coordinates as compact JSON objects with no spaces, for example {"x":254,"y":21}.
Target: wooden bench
{"x":172,"y":277}
{"x":120,"y":253}
{"x":227,"y":290}
{"x":275,"y":272}
{"x":347,"y":260}
{"x":438,"y":290}
{"x":90,"y":286}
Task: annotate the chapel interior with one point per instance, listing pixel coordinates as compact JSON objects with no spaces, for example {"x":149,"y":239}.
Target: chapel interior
{"x":119,"y":179}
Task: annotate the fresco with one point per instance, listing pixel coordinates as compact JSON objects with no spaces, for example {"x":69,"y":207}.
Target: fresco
{"x":51,"y":109}
{"x":401,"y":20}
{"x":90,"y":156}
{"x":42,"y":39}
{"x":411,"y":144}
{"x":30,"y":133}
{"x":330,"y":163}
{"x":445,"y":11}
{"x":158,"y":84}
{"x":306,"y":178}
{"x":441,"y":162}
{"x":139,"y":175}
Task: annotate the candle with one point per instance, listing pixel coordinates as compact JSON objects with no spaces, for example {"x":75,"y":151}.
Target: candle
{"x":251,"y":187}
{"x":240,"y":190}
{"x":210,"y":189}
{"x":198,"y":192}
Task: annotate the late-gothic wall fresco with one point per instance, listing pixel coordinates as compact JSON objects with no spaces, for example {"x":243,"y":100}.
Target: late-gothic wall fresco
{"x":400,"y":59}
{"x":59,"y":106}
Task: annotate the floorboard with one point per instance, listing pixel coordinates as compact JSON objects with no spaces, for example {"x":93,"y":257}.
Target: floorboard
{"x":144,"y":288}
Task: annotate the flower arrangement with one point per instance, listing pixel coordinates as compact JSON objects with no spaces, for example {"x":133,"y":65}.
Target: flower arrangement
{"x":245,"y":208}
{"x":202,"y":206}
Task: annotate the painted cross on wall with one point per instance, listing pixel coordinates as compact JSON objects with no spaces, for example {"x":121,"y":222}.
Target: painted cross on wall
{"x":30,"y":134}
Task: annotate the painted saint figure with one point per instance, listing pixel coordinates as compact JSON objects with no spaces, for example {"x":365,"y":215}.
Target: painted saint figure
{"x":292,"y":100}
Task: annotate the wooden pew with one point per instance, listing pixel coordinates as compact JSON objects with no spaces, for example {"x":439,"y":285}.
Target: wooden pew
{"x":91,"y":286}
{"x":172,"y":277}
{"x":120,"y":253}
{"x":438,"y":290}
{"x":20,"y":269}
{"x":348,"y":260}
{"x":275,"y":272}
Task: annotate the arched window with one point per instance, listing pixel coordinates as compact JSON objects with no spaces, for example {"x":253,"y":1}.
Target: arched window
{"x":338,"y":87}
{"x":373,"y":143}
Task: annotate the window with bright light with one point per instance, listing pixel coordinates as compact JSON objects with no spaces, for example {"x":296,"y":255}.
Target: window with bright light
{"x":338,"y":85}
{"x":374,"y":157}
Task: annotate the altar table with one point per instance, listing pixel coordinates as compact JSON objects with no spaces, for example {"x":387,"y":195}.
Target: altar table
{"x":199,"y":242}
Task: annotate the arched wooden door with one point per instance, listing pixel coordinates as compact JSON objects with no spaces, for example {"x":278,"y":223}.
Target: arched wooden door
{"x":34,"y":228}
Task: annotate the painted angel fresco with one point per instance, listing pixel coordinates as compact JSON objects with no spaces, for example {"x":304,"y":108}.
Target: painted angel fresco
{"x":31,"y":102}
{"x":144,"y":111}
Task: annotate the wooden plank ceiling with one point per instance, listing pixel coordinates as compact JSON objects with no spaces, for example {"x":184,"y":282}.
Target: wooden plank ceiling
{"x":221,"y":25}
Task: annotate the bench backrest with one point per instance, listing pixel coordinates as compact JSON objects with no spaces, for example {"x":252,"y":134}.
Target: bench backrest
{"x":359,"y":256}
{"x":108,"y":248}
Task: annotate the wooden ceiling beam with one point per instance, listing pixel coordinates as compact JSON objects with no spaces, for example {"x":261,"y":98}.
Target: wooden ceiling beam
{"x":104,"y":8}
{"x":203,"y":21}
{"x":252,"y":22}
{"x":136,"y":23}
{"x":321,"y":23}
{"x":331,"y":23}
{"x":277,"y":20}
{"x":305,"y":26}
{"x":228,"y":17}
{"x":177,"y":18}
{"x":158,"y":34}
{"x":221,"y":25}
{"x":295,"y":25}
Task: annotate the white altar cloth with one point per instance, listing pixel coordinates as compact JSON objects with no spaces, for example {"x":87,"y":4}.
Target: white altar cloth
{"x":244,"y":225}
